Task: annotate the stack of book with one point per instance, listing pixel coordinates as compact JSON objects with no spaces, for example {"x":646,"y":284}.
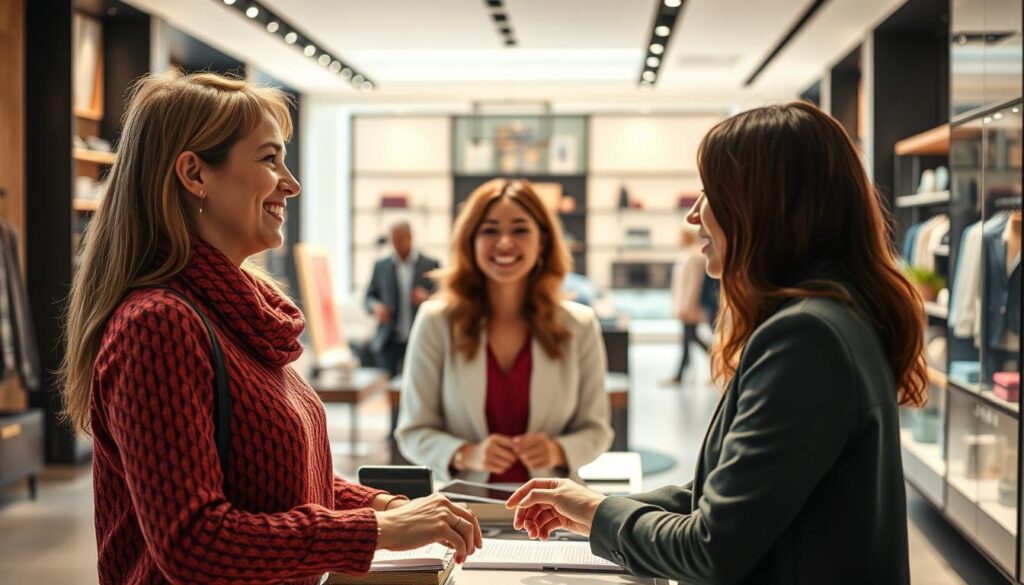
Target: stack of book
{"x":427,"y":565}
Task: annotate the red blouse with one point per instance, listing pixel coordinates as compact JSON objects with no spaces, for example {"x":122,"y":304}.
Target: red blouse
{"x":165,"y":509}
{"x":508,"y":405}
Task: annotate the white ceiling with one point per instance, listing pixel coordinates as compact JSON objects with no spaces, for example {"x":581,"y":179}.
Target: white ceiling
{"x":575,"y":52}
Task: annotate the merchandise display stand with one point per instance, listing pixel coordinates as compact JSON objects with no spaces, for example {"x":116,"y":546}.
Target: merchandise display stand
{"x":962,"y":451}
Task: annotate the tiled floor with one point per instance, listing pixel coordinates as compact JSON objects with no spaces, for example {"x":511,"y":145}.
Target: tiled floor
{"x":51,"y":540}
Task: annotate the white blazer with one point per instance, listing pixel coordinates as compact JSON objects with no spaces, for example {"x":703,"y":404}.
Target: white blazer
{"x":444,"y":395}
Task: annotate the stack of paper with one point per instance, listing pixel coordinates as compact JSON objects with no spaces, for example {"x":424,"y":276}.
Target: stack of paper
{"x":433,"y":557}
{"x":531,"y":555}
{"x":427,"y":565}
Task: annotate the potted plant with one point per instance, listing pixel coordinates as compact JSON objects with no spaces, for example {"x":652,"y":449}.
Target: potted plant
{"x":927,"y":281}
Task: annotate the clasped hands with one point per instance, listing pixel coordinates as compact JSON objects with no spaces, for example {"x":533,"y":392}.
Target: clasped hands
{"x":497,"y":453}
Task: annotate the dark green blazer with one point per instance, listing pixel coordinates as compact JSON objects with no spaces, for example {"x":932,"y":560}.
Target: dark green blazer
{"x":799,"y":480}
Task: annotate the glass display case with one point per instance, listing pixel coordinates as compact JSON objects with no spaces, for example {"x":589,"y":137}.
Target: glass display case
{"x":520,"y":145}
{"x":999,"y":320}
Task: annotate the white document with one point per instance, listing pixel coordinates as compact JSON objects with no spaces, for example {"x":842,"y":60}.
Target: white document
{"x":432,"y":557}
{"x":533,"y":555}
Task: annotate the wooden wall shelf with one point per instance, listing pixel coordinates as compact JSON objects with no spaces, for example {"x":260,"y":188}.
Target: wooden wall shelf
{"x":85,"y":204}
{"x":934,"y":142}
{"x":93,"y":156}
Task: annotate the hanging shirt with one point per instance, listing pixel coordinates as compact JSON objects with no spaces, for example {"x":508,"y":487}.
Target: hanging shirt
{"x":508,"y":404}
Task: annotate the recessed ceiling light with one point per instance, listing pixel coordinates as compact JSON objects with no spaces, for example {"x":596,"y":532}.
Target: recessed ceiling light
{"x":648,"y":76}
{"x":998,"y":116}
{"x":1015,"y":110}
{"x":252,"y":12}
{"x":229,"y":2}
{"x":346,"y":73}
{"x":310,"y":50}
{"x":291,"y":37}
{"x":657,"y":48}
{"x":335,"y":67}
{"x":324,"y":60}
{"x":357,"y":80}
{"x":646,"y":85}
{"x":653,"y":61}
{"x":662,"y":30}
{"x":987,"y":120}
{"x":272,"y":26}
{"x":673,"y":3}
{"x":366,"y":87}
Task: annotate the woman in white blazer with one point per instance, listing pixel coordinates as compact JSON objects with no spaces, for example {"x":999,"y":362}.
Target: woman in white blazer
{"x":504,"y":379}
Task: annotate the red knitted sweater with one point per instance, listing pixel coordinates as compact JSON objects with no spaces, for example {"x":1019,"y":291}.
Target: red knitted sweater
{"x":164,"y":512}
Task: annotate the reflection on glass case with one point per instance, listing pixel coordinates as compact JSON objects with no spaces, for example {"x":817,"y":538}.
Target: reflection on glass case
{"x":983,"y":468}
{"x":520,"y":145}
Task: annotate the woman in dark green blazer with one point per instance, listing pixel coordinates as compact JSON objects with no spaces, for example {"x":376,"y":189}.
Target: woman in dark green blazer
{"x":799,"y":479}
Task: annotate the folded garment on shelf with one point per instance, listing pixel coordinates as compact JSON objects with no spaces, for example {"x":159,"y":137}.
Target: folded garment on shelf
{"x":1007,"y":394}
{"x":964,"y":370}
{"x":1008,"y":380}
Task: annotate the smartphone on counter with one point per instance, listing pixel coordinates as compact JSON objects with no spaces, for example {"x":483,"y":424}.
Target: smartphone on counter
{"x":411,"y":481}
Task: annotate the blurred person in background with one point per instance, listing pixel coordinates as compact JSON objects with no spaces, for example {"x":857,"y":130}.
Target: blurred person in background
{"x":398,"y":286}
{"x":504,"y":378}
{"x":687,"y":285}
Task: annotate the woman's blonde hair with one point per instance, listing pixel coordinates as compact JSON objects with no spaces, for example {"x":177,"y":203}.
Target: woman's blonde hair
{"x":464,"y":286}
{"x":144,"y":204}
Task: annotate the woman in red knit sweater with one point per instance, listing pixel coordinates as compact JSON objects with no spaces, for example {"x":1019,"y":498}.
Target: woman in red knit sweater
{"x":198,"y":186}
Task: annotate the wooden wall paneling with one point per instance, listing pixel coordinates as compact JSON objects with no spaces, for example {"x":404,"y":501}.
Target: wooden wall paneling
{"x":12,"y":161}
{"x":48,"y":219}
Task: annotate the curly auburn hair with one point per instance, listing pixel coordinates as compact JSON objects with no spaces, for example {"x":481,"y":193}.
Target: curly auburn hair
{"x":789,"y":191}
{"x":464,"y":286}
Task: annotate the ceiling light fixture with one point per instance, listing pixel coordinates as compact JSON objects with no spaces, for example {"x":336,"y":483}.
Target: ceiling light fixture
{"x":499,"y":14}
{"x":662,"y":25}
{"x":806,"y":16}
{"x":666,"y":16}
{"x":255,"y":11}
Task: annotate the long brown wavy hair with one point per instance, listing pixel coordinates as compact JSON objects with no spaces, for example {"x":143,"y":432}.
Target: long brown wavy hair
{"x":145,"y":207}
{"x":464,"y":286}
{"x":789,"y":191}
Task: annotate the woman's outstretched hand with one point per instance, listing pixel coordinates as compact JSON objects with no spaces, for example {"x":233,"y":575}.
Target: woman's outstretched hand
{"x":545,"y":505}
{"x":427,"y":520}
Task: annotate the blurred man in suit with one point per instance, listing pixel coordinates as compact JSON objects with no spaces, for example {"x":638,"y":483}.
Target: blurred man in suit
{"x":397,"y":288}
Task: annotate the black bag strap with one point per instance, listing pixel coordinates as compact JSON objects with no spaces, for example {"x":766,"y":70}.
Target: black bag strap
{"x":222,"y":394}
